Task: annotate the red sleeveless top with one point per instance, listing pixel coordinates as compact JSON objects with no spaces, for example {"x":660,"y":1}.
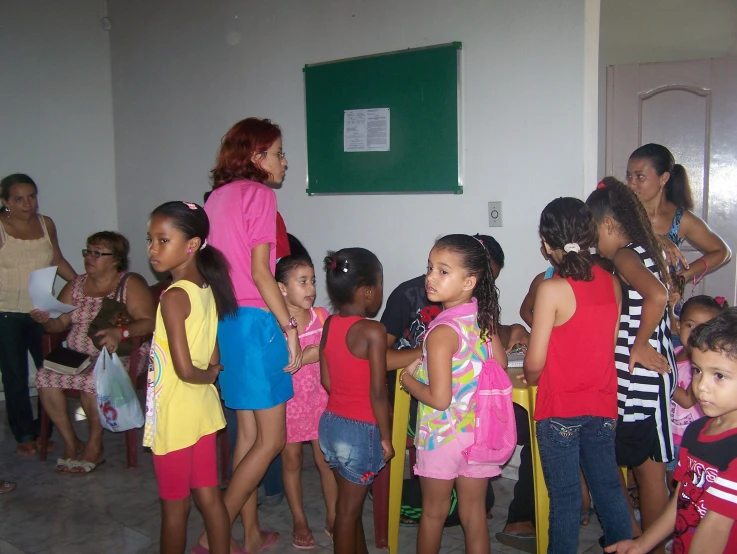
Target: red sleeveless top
{"x":580,"y":377}
{"x":350,"y":377}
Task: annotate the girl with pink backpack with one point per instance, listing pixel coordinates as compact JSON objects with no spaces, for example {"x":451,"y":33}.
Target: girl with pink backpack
{"x":571,"y":357}
{"x":460,"y":346}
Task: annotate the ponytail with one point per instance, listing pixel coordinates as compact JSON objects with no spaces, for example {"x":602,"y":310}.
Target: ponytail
{"x":678,"y":188}
{"x":216,"y":271}
{"x":566,"y":224}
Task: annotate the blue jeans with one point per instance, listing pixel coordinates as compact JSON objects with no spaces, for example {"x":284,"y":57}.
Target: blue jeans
{"x":586,"y":442}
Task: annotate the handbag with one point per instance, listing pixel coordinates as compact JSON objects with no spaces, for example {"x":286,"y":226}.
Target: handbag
{"x":113,"y":313}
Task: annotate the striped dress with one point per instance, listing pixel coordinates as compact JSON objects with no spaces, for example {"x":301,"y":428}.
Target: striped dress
{"x":645,"y":393}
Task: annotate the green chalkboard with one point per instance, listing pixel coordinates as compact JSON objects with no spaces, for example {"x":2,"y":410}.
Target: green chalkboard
{"x":420,"y":87}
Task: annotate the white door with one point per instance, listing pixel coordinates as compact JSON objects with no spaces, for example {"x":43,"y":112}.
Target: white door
{"x":690,"y":107}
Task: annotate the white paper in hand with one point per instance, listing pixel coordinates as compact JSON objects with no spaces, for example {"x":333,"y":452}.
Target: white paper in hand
{"x":40,"y":287}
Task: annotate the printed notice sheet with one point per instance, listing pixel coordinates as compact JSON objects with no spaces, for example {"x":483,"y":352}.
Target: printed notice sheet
{"x":366,"y":130}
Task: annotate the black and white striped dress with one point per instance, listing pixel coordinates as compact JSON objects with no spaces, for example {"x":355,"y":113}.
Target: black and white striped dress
{"x":645,"y":393}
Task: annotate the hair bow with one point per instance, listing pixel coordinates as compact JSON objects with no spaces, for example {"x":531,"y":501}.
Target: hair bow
{"x":720,"y":300}
{"x":332,"y":263}
{"x":190,"y":205}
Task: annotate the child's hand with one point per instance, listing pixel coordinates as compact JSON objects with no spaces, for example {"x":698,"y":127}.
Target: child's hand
{"x":411,"y":368}
{"x":387,"y":449}
{"x":518,"y":335}
{"x":214,"y":370}
{"x":624,"y":547}
{"x":647,"y":357}
{"x":521,"y":377}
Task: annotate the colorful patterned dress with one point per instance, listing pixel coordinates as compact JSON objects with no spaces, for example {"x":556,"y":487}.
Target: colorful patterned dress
{"x":308,"y":403}
{"x":87,"y":309}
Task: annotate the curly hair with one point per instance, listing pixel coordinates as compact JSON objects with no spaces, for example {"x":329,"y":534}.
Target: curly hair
{"x":568,"y":221}
{"x":717,"y":335}
{"x":619,"y":202}
{"x":476,"y":261}
{"x":235,"y":158}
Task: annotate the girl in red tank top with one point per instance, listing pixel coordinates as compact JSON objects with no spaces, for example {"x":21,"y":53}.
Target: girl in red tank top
{"x":354,"y":431}
{"x":571,"y":358}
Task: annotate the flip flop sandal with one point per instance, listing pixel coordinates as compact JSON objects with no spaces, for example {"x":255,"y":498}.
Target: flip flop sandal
{"x":7,"y":486}
{"x":271,"y":538}
{"x":330,"y":533}
{"x":86,"y":467}
{"x":27,"y":449}
{"x":63,"y":465}
{"x":303,"y":541}
{"x":525,"y":543}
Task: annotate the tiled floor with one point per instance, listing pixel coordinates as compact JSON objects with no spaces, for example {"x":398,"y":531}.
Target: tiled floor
{"x":116,"y":510}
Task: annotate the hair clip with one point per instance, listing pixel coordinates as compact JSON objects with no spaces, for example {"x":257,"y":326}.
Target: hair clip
{"x":332,"y":263}
{"x":601,"y":185}
{"x":720,"y":300}
{"x":345,"y":266}
{"x":204,"y":243}
{"x":190,"y":205}
{"x":572,"y":247}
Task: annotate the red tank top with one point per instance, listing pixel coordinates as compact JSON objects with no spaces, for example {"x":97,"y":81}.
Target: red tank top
{"x":350,"y":377}
{"x":580,"y":377}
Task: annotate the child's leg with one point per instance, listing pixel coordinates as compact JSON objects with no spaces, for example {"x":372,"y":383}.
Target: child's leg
{"x":348,"y":531}
{"x":558,"y":439}
{"x":650,"y":478}
{"x":636,"y":531}
{"x":217,"y":524}
{"x":472,"y":513}
{"x":435,"y":507}
{"x":599,"y":464}
{"x":329,"y":486}
{"x":291,"y":458}
{"x":174,"y":515}
{"x":585,"y":501}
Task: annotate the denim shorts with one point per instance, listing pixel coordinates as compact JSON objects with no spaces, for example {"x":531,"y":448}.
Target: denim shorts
{"x":352,"y":447}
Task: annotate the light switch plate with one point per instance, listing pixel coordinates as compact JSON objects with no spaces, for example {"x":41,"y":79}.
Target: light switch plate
{"x":495,"y":214}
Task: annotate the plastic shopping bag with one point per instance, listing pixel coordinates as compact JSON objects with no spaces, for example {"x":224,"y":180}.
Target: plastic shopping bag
{"x":117,"y":403}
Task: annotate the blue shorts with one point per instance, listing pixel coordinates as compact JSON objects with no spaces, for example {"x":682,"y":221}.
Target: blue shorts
{"x":351,"y":446}
{"x":254,"y":353}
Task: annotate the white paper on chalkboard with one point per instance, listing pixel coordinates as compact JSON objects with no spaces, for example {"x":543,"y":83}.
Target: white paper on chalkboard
{"x":366,"y":130}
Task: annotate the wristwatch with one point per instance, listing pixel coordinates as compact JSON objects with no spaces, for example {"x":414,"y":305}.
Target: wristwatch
{"x":291,"y":324}
{"x":126,"y":334}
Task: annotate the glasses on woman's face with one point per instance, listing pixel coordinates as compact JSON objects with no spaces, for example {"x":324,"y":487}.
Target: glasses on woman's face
{"x":280,"y":154}
{"x":95,"y":253}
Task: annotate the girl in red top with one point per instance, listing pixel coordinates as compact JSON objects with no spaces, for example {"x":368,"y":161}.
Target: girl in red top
{"x":354,"y":431}
{"x":571,"y":357}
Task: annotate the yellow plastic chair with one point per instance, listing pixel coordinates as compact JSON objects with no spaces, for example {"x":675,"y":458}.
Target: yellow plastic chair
{"x":396,"y":465}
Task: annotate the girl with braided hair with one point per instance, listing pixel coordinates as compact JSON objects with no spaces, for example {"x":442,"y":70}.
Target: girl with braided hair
{"x":644,"y":351}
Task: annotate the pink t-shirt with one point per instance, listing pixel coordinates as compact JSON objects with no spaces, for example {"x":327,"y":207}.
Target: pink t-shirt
{"x":680,"y":418}
{"x":242,"y":216}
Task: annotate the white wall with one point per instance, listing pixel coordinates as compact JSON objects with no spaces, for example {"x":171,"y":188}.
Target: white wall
{"x":56,"y":113}
{"x":184,"y":71}
{"x":633,"y":31}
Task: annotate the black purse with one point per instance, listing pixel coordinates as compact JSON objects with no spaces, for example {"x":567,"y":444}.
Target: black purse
{"x":113,"y":313}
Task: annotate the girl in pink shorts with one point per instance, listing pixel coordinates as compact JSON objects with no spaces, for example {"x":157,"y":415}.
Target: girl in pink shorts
{"x":459,"y":276}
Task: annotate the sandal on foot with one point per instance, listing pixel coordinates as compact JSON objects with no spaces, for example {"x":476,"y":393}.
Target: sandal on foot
{"x":6,"y":486}
{"x":63,"y":465}
{"x":330,"y":533}
{"x":83,"y":467}
{"x":525,"y":543}
{"x":303,"y":540}
{"x":27,"y":448}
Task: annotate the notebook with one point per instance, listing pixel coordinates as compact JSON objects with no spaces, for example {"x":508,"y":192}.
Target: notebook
{"x":68,"y":362}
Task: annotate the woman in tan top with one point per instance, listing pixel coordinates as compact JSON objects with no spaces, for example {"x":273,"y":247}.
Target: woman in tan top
{"x":28,"y":242}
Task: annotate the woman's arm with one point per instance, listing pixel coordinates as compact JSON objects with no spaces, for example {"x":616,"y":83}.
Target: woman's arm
{"x":269,"y":291}
{"x":715,"y":250}
{"x":528,"y":304}
{"x":57,"y":324}
{"x":543,"y":320}
{"x":655,"y":299}
{"x":140,"y":306}
{"x":175,"y":309}
{"x":441,"y":344}
{"x":64,"y":268}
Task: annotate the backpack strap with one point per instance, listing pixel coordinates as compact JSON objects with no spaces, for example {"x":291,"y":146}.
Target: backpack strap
{"x":322,"y":315}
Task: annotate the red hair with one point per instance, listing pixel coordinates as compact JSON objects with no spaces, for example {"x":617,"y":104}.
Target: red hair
{"x":246,"y":138}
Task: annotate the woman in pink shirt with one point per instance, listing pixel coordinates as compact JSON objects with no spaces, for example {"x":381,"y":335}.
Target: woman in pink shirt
{"x":259,"y":348}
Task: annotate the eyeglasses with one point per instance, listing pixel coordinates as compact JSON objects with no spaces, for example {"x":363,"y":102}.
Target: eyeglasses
{"x":280,"y":154}
{"x":94,"y":253}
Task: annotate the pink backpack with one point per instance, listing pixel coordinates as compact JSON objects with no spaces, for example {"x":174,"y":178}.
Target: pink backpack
{"x":495,"y":429}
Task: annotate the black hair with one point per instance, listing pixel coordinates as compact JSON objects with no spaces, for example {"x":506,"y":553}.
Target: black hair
{"x":298,"y":257}
{"x":347,"y":270}
{"x":206,"y":196}
{"x":14,"y":179}
{"x":677,"y":188}
{"x":619,"y":202}
{"x":717,"y":335}
{"x":567,"y":221}
{"x":296,"y":248}
{"x":477,"y":262}
{"x":493,"y":248}
{"x":192,"y":221}
{"x":705,"y":302}
{"x":118,"y":245}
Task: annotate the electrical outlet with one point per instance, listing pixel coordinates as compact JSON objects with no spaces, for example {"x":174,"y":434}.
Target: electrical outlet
{"x":495,"y":214}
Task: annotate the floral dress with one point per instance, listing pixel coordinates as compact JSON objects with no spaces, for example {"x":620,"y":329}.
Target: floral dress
{"x":87,"y":308}
{"x":308,"y":403}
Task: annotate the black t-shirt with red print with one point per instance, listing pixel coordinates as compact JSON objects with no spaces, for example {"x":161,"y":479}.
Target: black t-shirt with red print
{"x":408,"y":312}
{"x":707,"y":471}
